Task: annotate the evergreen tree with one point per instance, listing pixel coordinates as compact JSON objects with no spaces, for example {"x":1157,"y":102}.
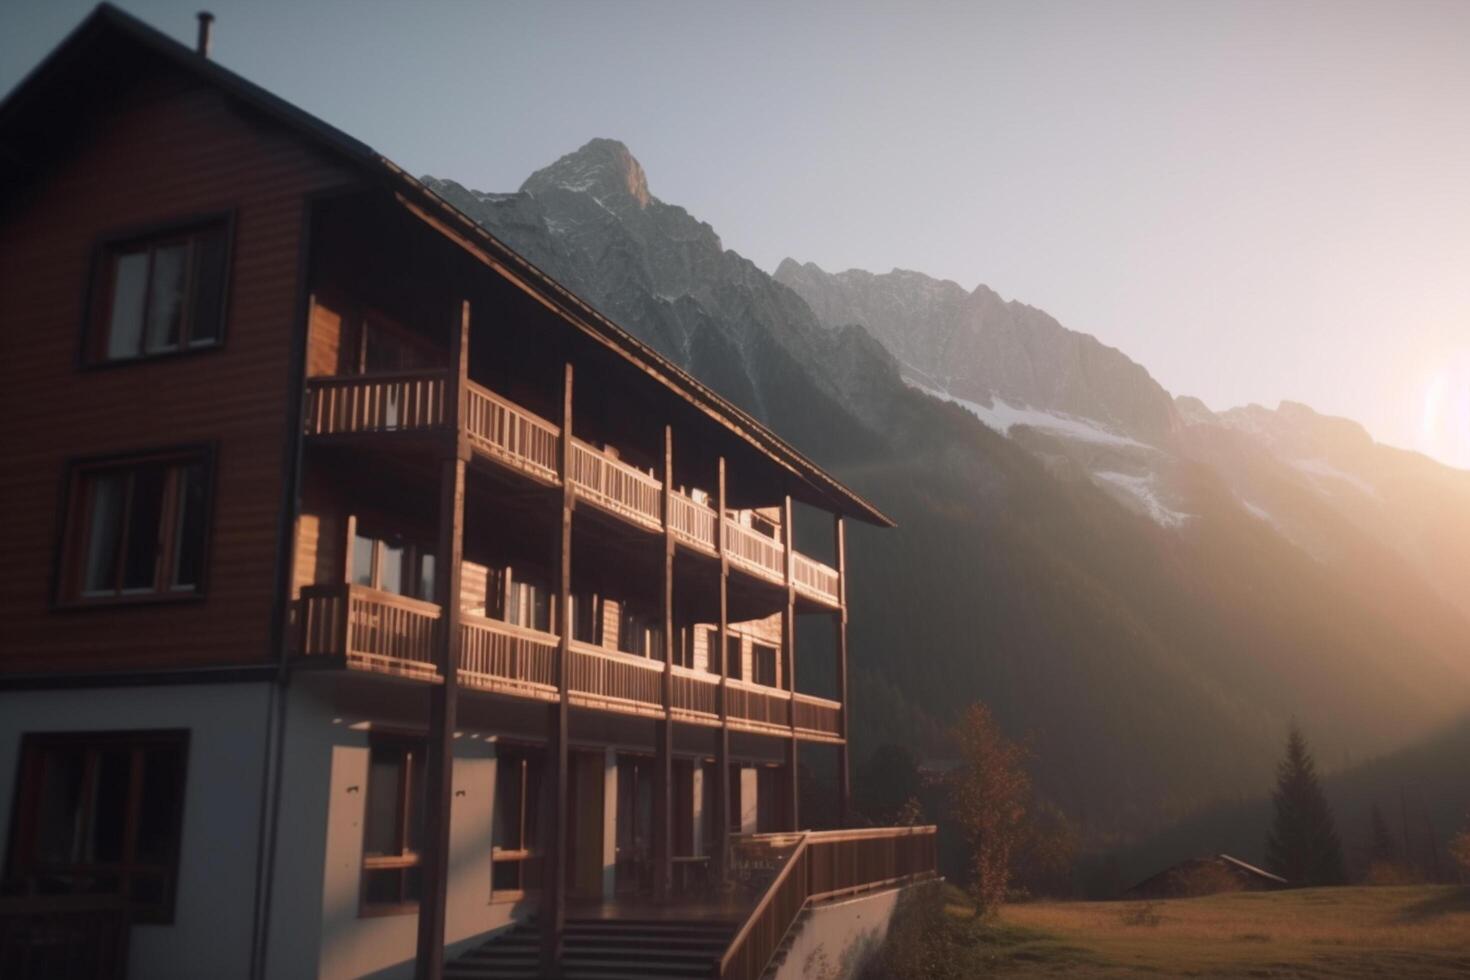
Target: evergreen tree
{"x":1303,"y":846}
{"x":1380,"y":840}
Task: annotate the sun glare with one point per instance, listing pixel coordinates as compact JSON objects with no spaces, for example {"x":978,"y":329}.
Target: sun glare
{"x":1444,"y":425}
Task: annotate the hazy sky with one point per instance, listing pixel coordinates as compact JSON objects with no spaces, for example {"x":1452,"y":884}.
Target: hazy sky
{"x":1257,"y":201}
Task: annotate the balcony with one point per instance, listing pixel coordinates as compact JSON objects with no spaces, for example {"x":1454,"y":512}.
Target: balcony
{"x":379,"y":632}
{"x":500,"y":430}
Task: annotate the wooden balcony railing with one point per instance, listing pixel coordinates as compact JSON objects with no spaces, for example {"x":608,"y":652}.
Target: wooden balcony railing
{"x":63,"y":938}
{"x":513,"y":435}
{"x":756,"y":706}
{"x":497,"y":656}
{"x":826,"y":864}
{"x":615,"y":680}
{"x":696,"y":695}
{"x":693,"y":523}
{"x":816,"y":716}
{"x":758,"y":553}
{"x":616,"y":486}
{"x":369,"y":629}
{"x":815,"y":579}
{"x":395,"y":401}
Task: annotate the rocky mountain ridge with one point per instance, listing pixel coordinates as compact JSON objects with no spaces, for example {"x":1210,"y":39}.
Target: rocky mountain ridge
{"x":1155,"y":662}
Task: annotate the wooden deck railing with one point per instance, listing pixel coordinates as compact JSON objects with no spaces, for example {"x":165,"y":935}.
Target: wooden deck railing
{"x":63,"y":938}
{"x":696,"y":695}
{"x":815,"y":579}
{"x":394,"y":401}
{"x":615,"y":485}
{"x":370,"y":629}
{"x":692,"y":522}
{"x":756,"y":552}
{"x":501,"y":657}
{"x":757,"y":706}
{"x":816,"y":716}
{"x":513,"y":435}
{"x":616,"y":680}
{"x":823,"y":865}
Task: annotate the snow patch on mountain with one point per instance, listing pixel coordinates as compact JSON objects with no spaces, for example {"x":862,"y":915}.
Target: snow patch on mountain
{"x":1318,"y":467}
{"x":1143,"y":489}
{"x":1002,"y":416}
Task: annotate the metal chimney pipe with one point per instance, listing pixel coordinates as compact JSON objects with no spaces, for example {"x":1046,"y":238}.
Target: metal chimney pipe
{"x":206,"y":22}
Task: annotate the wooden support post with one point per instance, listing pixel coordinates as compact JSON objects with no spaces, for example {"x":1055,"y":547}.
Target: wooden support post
{"x":844,"y":772}
{"x":439,"y":775}
{"x":553,"y":912}
{"x":663,"y":820}
{"x":788,"y":642}
{"x":721,"y":855}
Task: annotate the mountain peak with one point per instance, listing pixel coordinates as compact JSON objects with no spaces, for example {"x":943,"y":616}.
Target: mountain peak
{"x":603,"y":168}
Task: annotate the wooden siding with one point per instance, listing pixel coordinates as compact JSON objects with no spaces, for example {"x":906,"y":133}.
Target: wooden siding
{"x":165,"y":149}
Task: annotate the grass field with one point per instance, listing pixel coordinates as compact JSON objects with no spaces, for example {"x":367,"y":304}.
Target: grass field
{"x":1360,"y":932}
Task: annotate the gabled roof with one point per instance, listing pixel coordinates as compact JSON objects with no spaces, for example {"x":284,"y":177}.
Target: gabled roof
{"x":27,"y":118}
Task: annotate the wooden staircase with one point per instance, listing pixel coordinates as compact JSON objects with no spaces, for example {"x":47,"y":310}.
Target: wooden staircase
{"x":604,"y":949}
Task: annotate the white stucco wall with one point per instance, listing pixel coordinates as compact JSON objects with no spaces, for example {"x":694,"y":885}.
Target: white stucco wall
{"x":316,"y":926}
{"x":211,"y":932}
{"x":837,"y":937}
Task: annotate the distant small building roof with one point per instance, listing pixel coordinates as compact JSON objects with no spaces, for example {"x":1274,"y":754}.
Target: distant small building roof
{"x":1204,"y":876}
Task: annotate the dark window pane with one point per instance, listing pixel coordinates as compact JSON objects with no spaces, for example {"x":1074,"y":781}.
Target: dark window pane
{"x":382,"y":886}
{"x":734,"y":666}
{"x":412,"y":884}
{"x":125,"y":319}
{"x":158,"y":811}
{"x":148,"y":889}
{"x":104,"y":526}
{"x":417,"y":798}
{"x":426,"y":578}
{"x":507,"y":829}
{"x":380,"y":825}
{"x":109,"y":818}
{"x":189,"y":536}
{"x":505,"y":876}
{"x":166,"y":288}
{"x":59,"y":820}
{"x":145,"y":511}
{"x":209,"y":285}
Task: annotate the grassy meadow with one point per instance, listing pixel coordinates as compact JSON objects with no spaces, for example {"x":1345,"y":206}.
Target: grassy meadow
{"x":1357,"y":932}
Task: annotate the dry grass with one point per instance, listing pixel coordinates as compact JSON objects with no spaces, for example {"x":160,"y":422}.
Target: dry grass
{"x":1415,"y":931}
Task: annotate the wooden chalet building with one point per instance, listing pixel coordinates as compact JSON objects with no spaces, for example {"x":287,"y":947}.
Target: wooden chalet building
{"x":368,"y":592}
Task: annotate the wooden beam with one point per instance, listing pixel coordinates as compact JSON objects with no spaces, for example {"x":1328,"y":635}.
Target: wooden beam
{"x":788,"y":641}
{"x":721,"y":855}
{"x":844,"y":772}
{"x":553,"y":912}
{"x":663,"y":869}
{"x":443,"y":698}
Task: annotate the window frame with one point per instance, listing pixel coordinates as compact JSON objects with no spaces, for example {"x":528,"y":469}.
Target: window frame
{"x":529,"y":817}
{"x":410,"y":780}
{"x":98,"y":289}
{"x":73,"y":523}
{"x":26,"y":799}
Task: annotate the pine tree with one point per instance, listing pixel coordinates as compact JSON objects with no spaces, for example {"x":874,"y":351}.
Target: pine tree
{"x":1380,"y":839}
{"x":1303,"y":846}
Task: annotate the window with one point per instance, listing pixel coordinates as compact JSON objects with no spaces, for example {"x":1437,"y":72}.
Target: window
{"x":528,"y":603}
{"x":516,"y":855}
{"x":137,"y":528}
{"x":394,"y":565}
{"x":640,"y":634}
{"x":161,"y":294}
{"x":393,"y":824}
{"x":734,"y":664}
{"x":99,"y":814}
{"x":586,"y":618}
{"x":763,"y":664}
